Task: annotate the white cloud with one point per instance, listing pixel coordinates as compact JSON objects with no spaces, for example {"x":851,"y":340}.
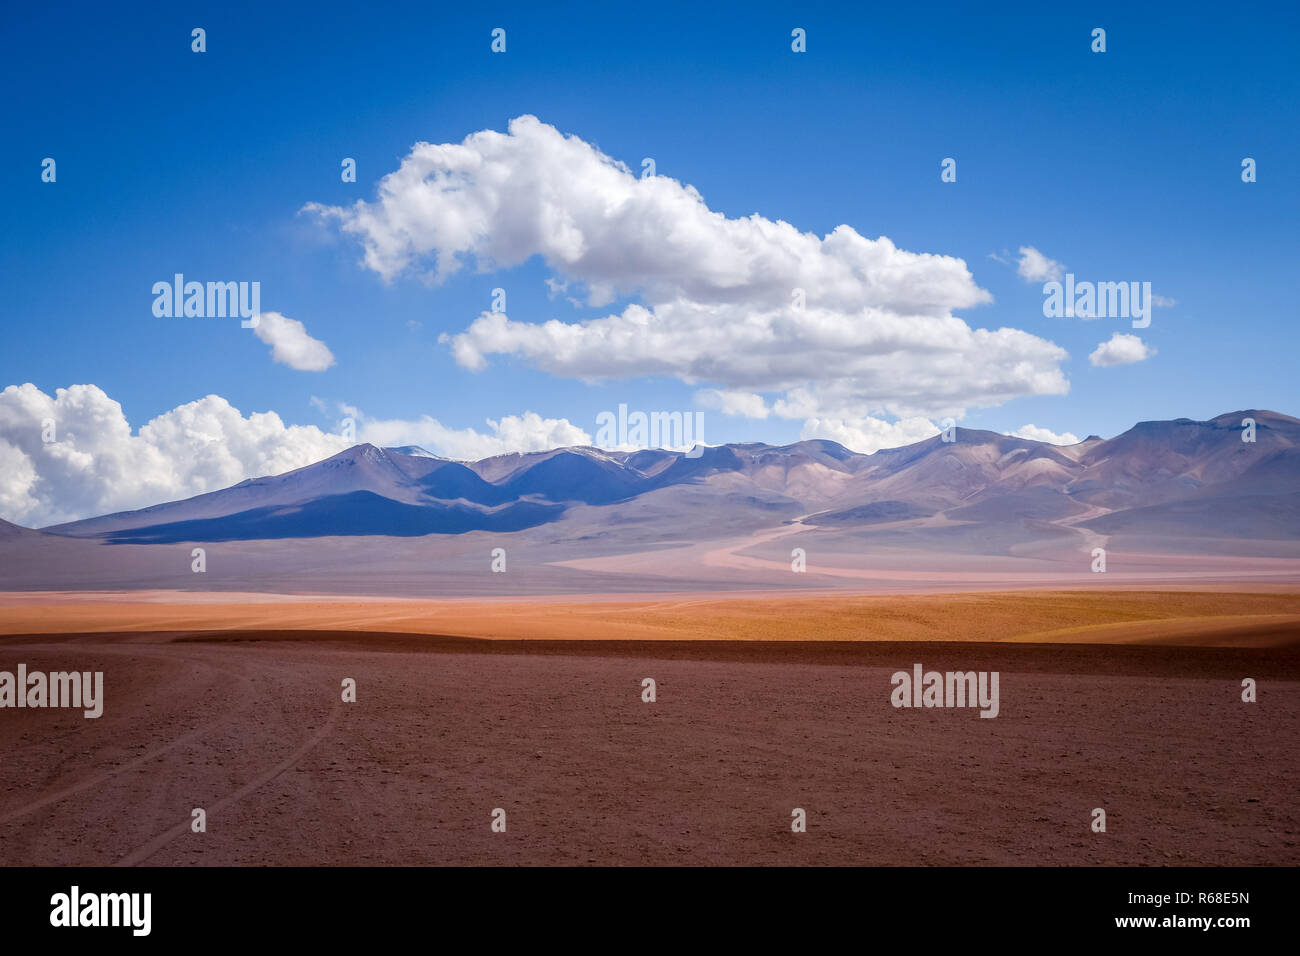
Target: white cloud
{"x":1122,"y":349}
{"x":17,"y":484}
{"x":1163,"y":301}
{"x":97,"y":465}
{"x":513,"y":433}
{"x":290,"y":343}
{"x":1034,"y":433}
{"x":869,"y":435}
{"x":745,"y":404}
{"x":1036,"y":267}
{"x":877,"y":335}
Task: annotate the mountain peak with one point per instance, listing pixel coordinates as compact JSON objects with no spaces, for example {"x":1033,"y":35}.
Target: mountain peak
{"x":414,"y":451}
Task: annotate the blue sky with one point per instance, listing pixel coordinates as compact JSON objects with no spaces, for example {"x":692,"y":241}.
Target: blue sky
{"x":1123,"y":166}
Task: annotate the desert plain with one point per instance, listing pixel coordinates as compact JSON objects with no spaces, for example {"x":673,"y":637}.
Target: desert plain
{"x":1129,"y":700}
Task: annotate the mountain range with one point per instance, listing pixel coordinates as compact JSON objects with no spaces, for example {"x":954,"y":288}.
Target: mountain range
{"x":1179,"y":478}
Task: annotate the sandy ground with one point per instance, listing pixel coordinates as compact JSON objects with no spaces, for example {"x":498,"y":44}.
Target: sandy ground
{"x":657,"y":551}
{"x":1229,"y":619}
{"x":249,"y":726}
{"x":852,"y":562}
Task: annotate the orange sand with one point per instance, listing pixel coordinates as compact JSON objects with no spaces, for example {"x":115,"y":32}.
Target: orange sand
{"x":1204,"y":618}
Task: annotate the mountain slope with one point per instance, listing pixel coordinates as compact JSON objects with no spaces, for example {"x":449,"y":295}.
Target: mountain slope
{"x":573,"y":476}
{"x":355,"y":513}
{"x":10,"y":531}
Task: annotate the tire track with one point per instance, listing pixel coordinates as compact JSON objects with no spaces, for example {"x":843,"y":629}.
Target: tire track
{"x":72,"y":789}
{"x":143,"y":853}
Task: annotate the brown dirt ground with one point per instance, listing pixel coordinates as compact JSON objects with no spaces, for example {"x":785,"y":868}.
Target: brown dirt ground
{"x":246,"y":723}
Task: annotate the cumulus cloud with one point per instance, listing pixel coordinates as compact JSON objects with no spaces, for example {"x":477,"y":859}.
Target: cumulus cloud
{"x":1034,"y":433}
{"x":1122,"y":349}
{"x":96,"y":464}
{"x":744,"y":404}
{"x":1033,"y":266}
{"x":290,"y":343}
{"x":513,"y":433}
{"x":869,"y":435}
{"x":751,"y":305}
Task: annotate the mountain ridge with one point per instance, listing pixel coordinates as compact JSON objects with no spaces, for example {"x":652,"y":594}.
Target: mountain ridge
{"x":978,"y":477}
